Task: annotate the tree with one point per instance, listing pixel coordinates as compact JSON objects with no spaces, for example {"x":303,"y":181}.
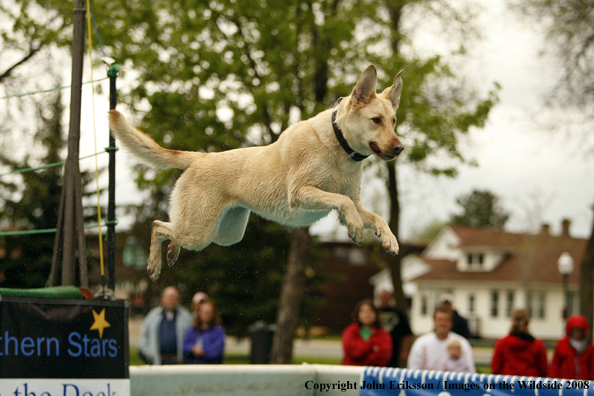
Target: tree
{"x":220,"y":75}
{"x":29,"y":201}
{"x":29,"y":28}
{"x":438,"y":105}
{"x":480,"y":209}
{"x":268,"y":63}
{"x":569,"y":26}
{"x":429,"y":231}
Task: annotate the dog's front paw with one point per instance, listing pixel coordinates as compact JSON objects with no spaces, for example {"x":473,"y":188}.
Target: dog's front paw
{"x":356,"y":229}
{"x":389,"y":241}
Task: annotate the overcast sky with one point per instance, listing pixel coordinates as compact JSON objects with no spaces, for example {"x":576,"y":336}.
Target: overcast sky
{"x":539,"y":174}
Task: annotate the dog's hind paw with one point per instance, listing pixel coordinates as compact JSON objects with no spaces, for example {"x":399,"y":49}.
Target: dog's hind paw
{"x":172,"y":253}
{"x":154,"y":272}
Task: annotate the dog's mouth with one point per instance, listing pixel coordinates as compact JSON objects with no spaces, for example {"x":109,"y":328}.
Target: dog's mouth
{"x":386,"y":157}
{"x":375,"y":148}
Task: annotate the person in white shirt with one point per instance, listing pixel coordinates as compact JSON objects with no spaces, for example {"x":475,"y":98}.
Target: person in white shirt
{"x":429,"y":351}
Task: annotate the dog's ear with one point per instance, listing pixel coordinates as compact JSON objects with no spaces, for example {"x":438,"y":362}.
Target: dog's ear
{"x":393,"y":93}
{"x":364,"y":91}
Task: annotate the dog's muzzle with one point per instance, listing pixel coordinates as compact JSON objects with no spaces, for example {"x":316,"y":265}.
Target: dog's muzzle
{"x":395,"y":150}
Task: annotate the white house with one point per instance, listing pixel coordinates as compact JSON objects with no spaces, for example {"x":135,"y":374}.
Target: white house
{"x":490,"y":272}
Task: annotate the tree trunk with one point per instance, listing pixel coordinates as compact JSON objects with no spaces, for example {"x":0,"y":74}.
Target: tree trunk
{"x":394,"y":261}
{"x":586,"y":281}
{"x":395,"y":11}
{"x":292,"y":293}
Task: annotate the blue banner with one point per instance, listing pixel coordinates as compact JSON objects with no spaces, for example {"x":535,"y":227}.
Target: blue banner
{"x":384,"y":381}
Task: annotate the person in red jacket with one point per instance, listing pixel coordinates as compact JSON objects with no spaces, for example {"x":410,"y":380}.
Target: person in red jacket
{"x":574,"y":354}
{"x":365,"y":342}
{"x":519,"y":353}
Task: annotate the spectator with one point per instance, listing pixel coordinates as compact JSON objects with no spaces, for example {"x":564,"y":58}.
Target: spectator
{"x":455,"y":360}
{"x":395,"y":322}
{"x":460,"y":324}
{"x":364,"y":342}
{"x":519,"y":353}
{"x":163,"y":330}
{"x":196,"y":300}
{"x":429,"y":351}
{"x":574,"y":354}
{"x":204,"y":342}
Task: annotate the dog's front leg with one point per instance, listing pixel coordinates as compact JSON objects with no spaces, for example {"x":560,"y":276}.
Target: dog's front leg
{"x":312,"y":198}
{"x":379,"y":226}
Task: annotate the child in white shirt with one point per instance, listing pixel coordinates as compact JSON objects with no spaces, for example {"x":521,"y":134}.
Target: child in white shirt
{"x":454,"y":360}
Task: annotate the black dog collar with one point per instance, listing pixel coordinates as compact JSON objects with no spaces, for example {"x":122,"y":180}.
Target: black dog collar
{"x":340,"y":137}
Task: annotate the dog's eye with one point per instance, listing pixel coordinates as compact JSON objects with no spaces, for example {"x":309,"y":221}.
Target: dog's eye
{"x":377,"y":120}
{"x":394,"y":121}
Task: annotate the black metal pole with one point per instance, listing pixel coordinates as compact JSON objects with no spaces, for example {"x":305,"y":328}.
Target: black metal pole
{"x":111,"y":219}
{"x":565,"y":297}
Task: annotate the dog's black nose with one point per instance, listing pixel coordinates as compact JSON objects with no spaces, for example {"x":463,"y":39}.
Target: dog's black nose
{"x":398,"y":149}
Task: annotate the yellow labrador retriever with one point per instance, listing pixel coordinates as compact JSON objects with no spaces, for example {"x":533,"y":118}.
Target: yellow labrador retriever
{"x":313,"y":168}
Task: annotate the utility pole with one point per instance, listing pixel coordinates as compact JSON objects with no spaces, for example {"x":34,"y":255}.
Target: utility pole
{"x":587,"y":280}
{"x":70,"y":228}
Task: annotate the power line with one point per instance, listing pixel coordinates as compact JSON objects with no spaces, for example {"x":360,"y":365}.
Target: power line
{"x":47,"y":166}
{"x":48,"y":90}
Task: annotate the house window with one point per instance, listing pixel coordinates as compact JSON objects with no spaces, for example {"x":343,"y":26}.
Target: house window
{"x":475,"y":259}
{"x":536,"y":304}
{"x":509,"y":303}
{"x":542,"y":305}
{"x":424,"y":304}
{"x":471,"y":303}
{"x":495,"y":303}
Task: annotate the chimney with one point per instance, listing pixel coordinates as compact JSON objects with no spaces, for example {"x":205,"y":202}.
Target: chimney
{"x":565,"y":224}
{"x":545,"y":229}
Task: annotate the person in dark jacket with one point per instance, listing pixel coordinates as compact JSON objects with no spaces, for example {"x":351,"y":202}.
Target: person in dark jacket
{"x":204,"y":342}
{"x":365,"y":342}
{"x":574,"y":354}
{"x":395,"y":322}
{"x":519,"y":353}
{"x":460,"y":324}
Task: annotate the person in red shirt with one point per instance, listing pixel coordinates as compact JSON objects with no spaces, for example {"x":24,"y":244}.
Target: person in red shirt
{"x":574,"y":354}
{"x":365,"y":342}
{"x":519,"y":353}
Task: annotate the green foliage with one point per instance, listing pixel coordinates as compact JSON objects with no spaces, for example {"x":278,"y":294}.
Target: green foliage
{"x":244,"y":279}
{"x":30,"y":201}
{"x":217,"y":75}
{"x":267,"y":64}
{"x":480,"y":209}
{"x":429,"y":231}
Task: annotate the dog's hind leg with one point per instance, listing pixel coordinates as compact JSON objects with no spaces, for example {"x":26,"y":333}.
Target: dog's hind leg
{"x":232,"y":227}
{"x":172,"y":252}
{"x":161,"y":232}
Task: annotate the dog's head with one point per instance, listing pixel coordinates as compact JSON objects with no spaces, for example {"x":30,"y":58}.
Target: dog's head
{"x":371,"y":118}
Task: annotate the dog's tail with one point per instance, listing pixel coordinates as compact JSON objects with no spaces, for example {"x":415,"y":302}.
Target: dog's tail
{"x":145,"y":148}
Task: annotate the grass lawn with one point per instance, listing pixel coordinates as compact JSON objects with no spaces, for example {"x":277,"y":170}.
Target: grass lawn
{"x":238,"y":358}
{"x":235,"y":358}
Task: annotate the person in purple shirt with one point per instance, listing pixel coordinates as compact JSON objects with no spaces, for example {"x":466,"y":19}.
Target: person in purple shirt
{"x":204,"y":342}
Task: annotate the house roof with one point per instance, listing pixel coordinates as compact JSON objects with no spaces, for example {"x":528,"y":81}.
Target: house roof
{"x":527,"y":257}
